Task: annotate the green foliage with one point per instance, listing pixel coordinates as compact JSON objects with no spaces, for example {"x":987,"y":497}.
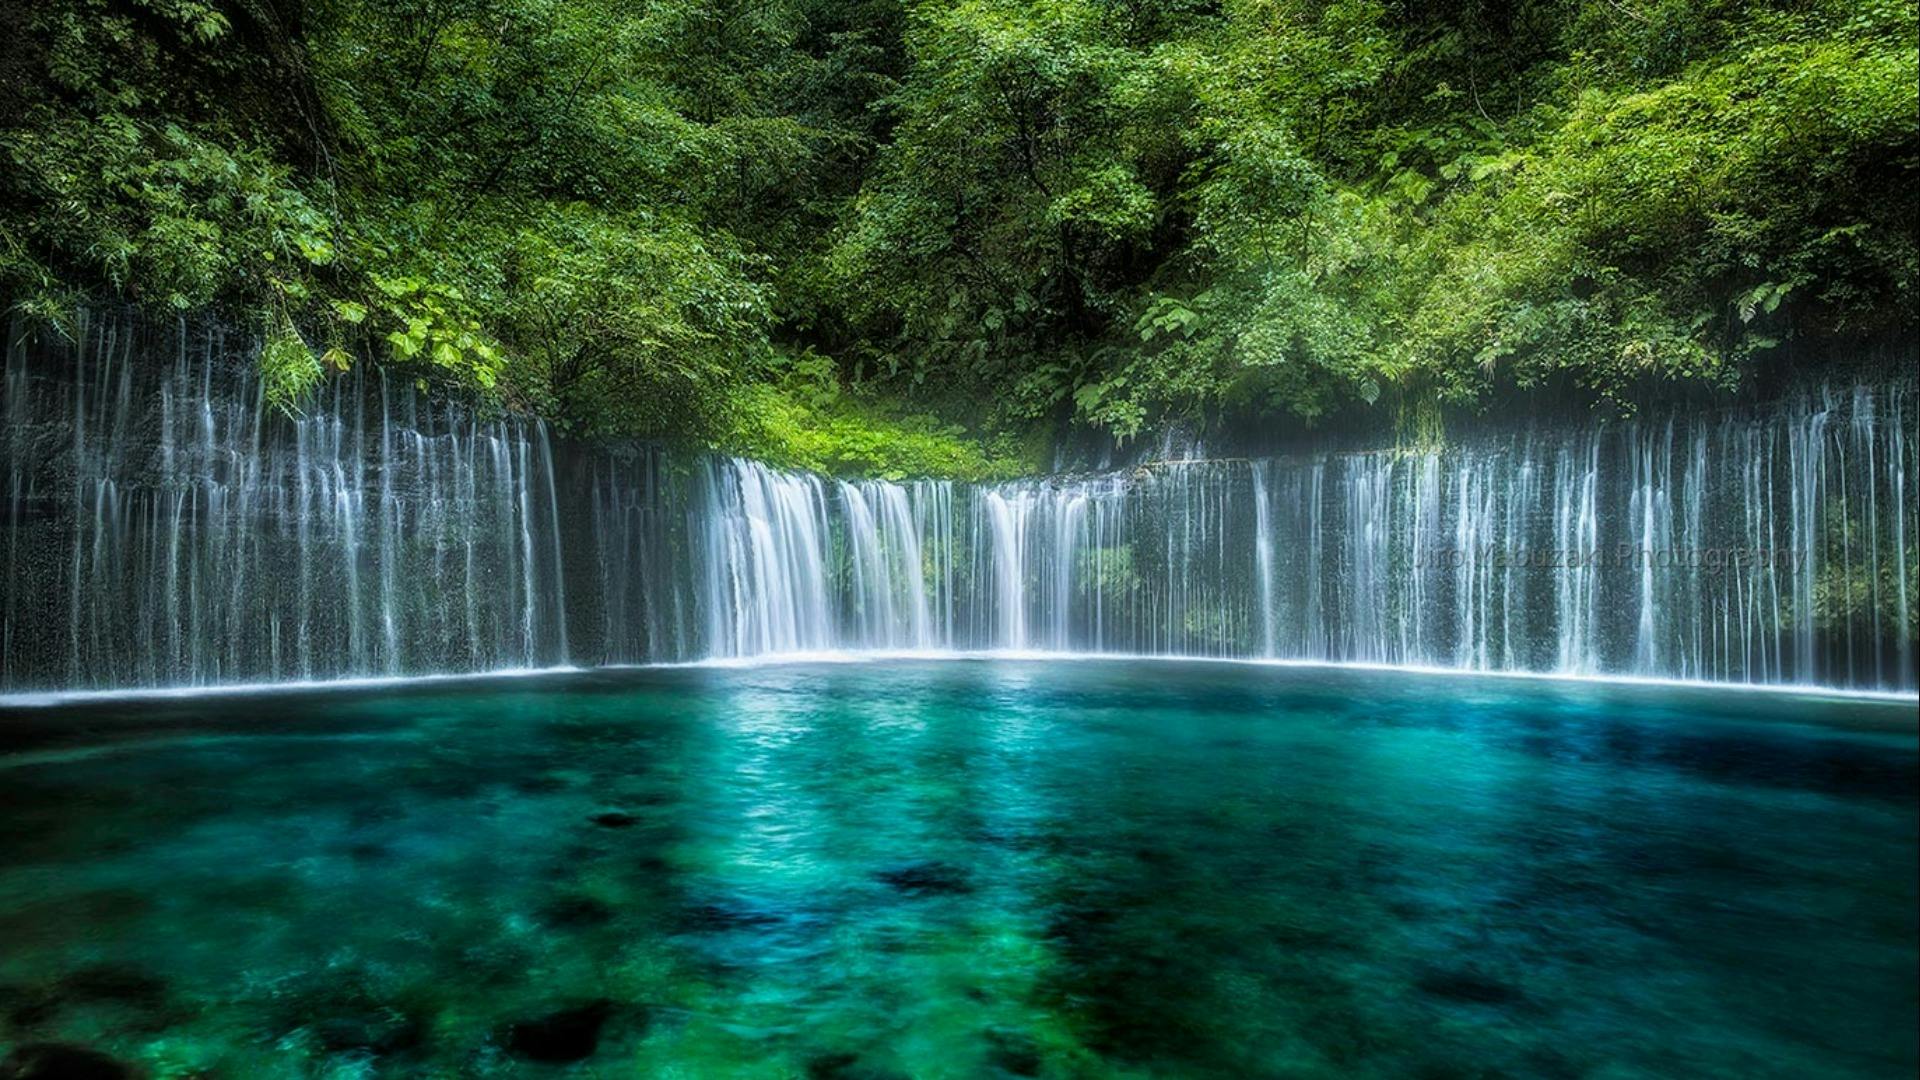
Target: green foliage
{"x":908,"y":237}
{"x":1341,"y":221}
{"x":806,"y":420}
{"x":632,"y":325}
{"x":289,"y":372}
{"x":1654,"y":232}
{"x":435,"y":326}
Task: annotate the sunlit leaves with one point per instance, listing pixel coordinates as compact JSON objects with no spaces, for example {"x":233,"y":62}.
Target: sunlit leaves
{"x":289,"y":371}
{"x":755,"y":224}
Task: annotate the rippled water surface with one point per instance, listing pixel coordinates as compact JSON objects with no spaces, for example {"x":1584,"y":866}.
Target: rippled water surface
{"x":978,"y":868}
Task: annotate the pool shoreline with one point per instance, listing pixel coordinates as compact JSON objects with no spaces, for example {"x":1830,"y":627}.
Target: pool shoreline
{"x":32,"y":699}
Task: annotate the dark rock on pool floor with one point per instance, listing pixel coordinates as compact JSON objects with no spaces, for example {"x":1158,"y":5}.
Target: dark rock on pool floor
{"x":576,"y":911}
{"x":112,"y":985}
{"x":107,"y":982}
{"x":546,"y":784}
{"x":844,"y":1066}
{"x":927,"y":879}
{"x":832,"y":1066}
{"x":61,"y":1061}
{"x":376,"y":1031}
{"x":570,"y":1034}
{"x":1469,"y":987}
{"x":1013,"y":1053}
{"x":654,"y":865}
{"x":723,"y":915}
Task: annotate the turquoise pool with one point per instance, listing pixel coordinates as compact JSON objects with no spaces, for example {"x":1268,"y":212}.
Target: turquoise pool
{"x":965,"y":868}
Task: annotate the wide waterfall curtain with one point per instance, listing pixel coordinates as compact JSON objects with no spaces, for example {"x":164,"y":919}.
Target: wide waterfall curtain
{"x":164,"y":526}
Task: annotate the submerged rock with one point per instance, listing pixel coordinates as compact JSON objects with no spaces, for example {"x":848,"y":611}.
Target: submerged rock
{"x":576,"y":911}
{"x":844,"y":1066}
{"x":543,"y":784}
{"x":375,"y":1031}
{"x":927,"y":879}
{"x":571,"y":1034}
{"x":25,"y":1009}
{"x":1469,"y":987}
{"x":61,"y":1061}
{"x":107,"y":982}
{"x":142,"y":996}
{"x":348,"y":1011}
{"x":1013,"y":1053}
{"x":726,"y":914}
{"x":837,"y":1066}
{"x":654,"y":865}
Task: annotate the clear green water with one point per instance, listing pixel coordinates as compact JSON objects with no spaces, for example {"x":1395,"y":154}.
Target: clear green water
{"x":966,"y":869}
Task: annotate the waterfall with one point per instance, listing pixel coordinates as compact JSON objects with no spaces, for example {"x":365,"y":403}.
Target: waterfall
{"x":889,"y":586}
{"x":1263,"y":554}
{"x":766,"y":561}
{"x":188,"y":534}
{"x":1007,"y":514}
{"x":792,"y":563}
{"x":1576,"y":533}
{"x":165,"y":526}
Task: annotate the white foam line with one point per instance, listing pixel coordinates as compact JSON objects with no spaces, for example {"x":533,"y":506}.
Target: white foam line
{"x":350,"y":682}
{"x":786,"y":659}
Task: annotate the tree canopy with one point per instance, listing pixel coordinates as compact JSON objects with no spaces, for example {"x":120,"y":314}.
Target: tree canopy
{"x":898,"y":236}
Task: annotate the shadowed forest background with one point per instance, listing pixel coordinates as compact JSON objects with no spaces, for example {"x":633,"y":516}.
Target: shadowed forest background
{"x":891,"y":237}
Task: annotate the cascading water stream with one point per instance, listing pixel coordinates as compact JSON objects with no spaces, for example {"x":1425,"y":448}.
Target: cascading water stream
{"x":166,"y":527}
{"x":206,"y":539}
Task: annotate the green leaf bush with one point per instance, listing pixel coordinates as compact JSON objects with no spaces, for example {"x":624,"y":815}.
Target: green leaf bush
{"x":914,"y":238}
